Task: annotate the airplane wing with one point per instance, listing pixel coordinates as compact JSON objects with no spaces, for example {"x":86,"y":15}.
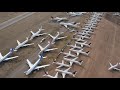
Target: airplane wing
{"x":43,"y":66}
{"x":29,"y":63}
{"x":1,"y":56}
{"x":41,"y":48}
{"x":10,"y":58}
{"x":72,"y":22}
{"x":28,"y":44}
{"x":110,"y":64}
{"x":61,"y":37}
{"x":32,"y":32}
{"x":18,"y":42}
{"x":50,"y":35}
{"x":42,"y":34}
{"x":67,"y":69}
{"x":117,"y":69}
{"x":50,"y":49}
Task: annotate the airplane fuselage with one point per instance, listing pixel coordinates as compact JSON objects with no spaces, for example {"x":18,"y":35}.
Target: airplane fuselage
{"x":55,"y":38}
{"x":62,"y":64}
{"x":72,"y":61}
{"x":33,"y":67}
{"x":21,"y":45}
{"x":79,"y":52}
{"x":35,"y":34}
{"x":61,"y":71}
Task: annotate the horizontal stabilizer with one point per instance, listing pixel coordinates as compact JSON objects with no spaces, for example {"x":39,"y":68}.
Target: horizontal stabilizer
{"x":18,"y":42}
{"x":1,"y":56}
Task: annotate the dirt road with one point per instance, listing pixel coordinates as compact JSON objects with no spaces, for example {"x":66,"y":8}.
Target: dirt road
{"x":15,"y":19}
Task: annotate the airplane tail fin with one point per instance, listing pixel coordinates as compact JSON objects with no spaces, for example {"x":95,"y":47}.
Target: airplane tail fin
{"x":41,"y":29}
{"x":87,"y":51}
{"x":74,"y":73}
{"x":81,"y":61}
{"x":52,"y":17}
{"x":25,"y":72}
{"x":89,"y":44}
{"x":27,"y":38}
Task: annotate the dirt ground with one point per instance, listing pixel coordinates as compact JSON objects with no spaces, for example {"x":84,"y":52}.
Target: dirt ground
{"x":4,"y":16}
{"x":104,"y":48}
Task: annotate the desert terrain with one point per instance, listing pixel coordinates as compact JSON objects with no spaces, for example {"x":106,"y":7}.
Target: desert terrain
{"x":105,"y":45}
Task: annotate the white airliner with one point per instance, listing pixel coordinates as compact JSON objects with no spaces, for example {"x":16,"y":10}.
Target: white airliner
{"x":36,"y":34}
{"x":82,"y":44}
{"x":7,"y":56}
{"x":88,"y":32}
{"x":74,"y":46}
{"x":59,"y":19}
{"x":90,"y":27}
{"x":83,"y":36}
{"x":56,"y":37}
{"x":61,"y":64}
{"x":71,"y":61}
{"x":47,"y":75}
{"x":45,"y":49}
{"x":65,"y":72}
{"x":68,"y":54}
{"x":114,"y":67}
{"x":73,"y":14}
{"x":79,"y":39}
{"x":83,"y":33}
{"x":23,"y":44}
{"x":35,"y":65}
{"x":87,"y":28}
{"x":70,"y":24}
{"x":78,"y":52}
